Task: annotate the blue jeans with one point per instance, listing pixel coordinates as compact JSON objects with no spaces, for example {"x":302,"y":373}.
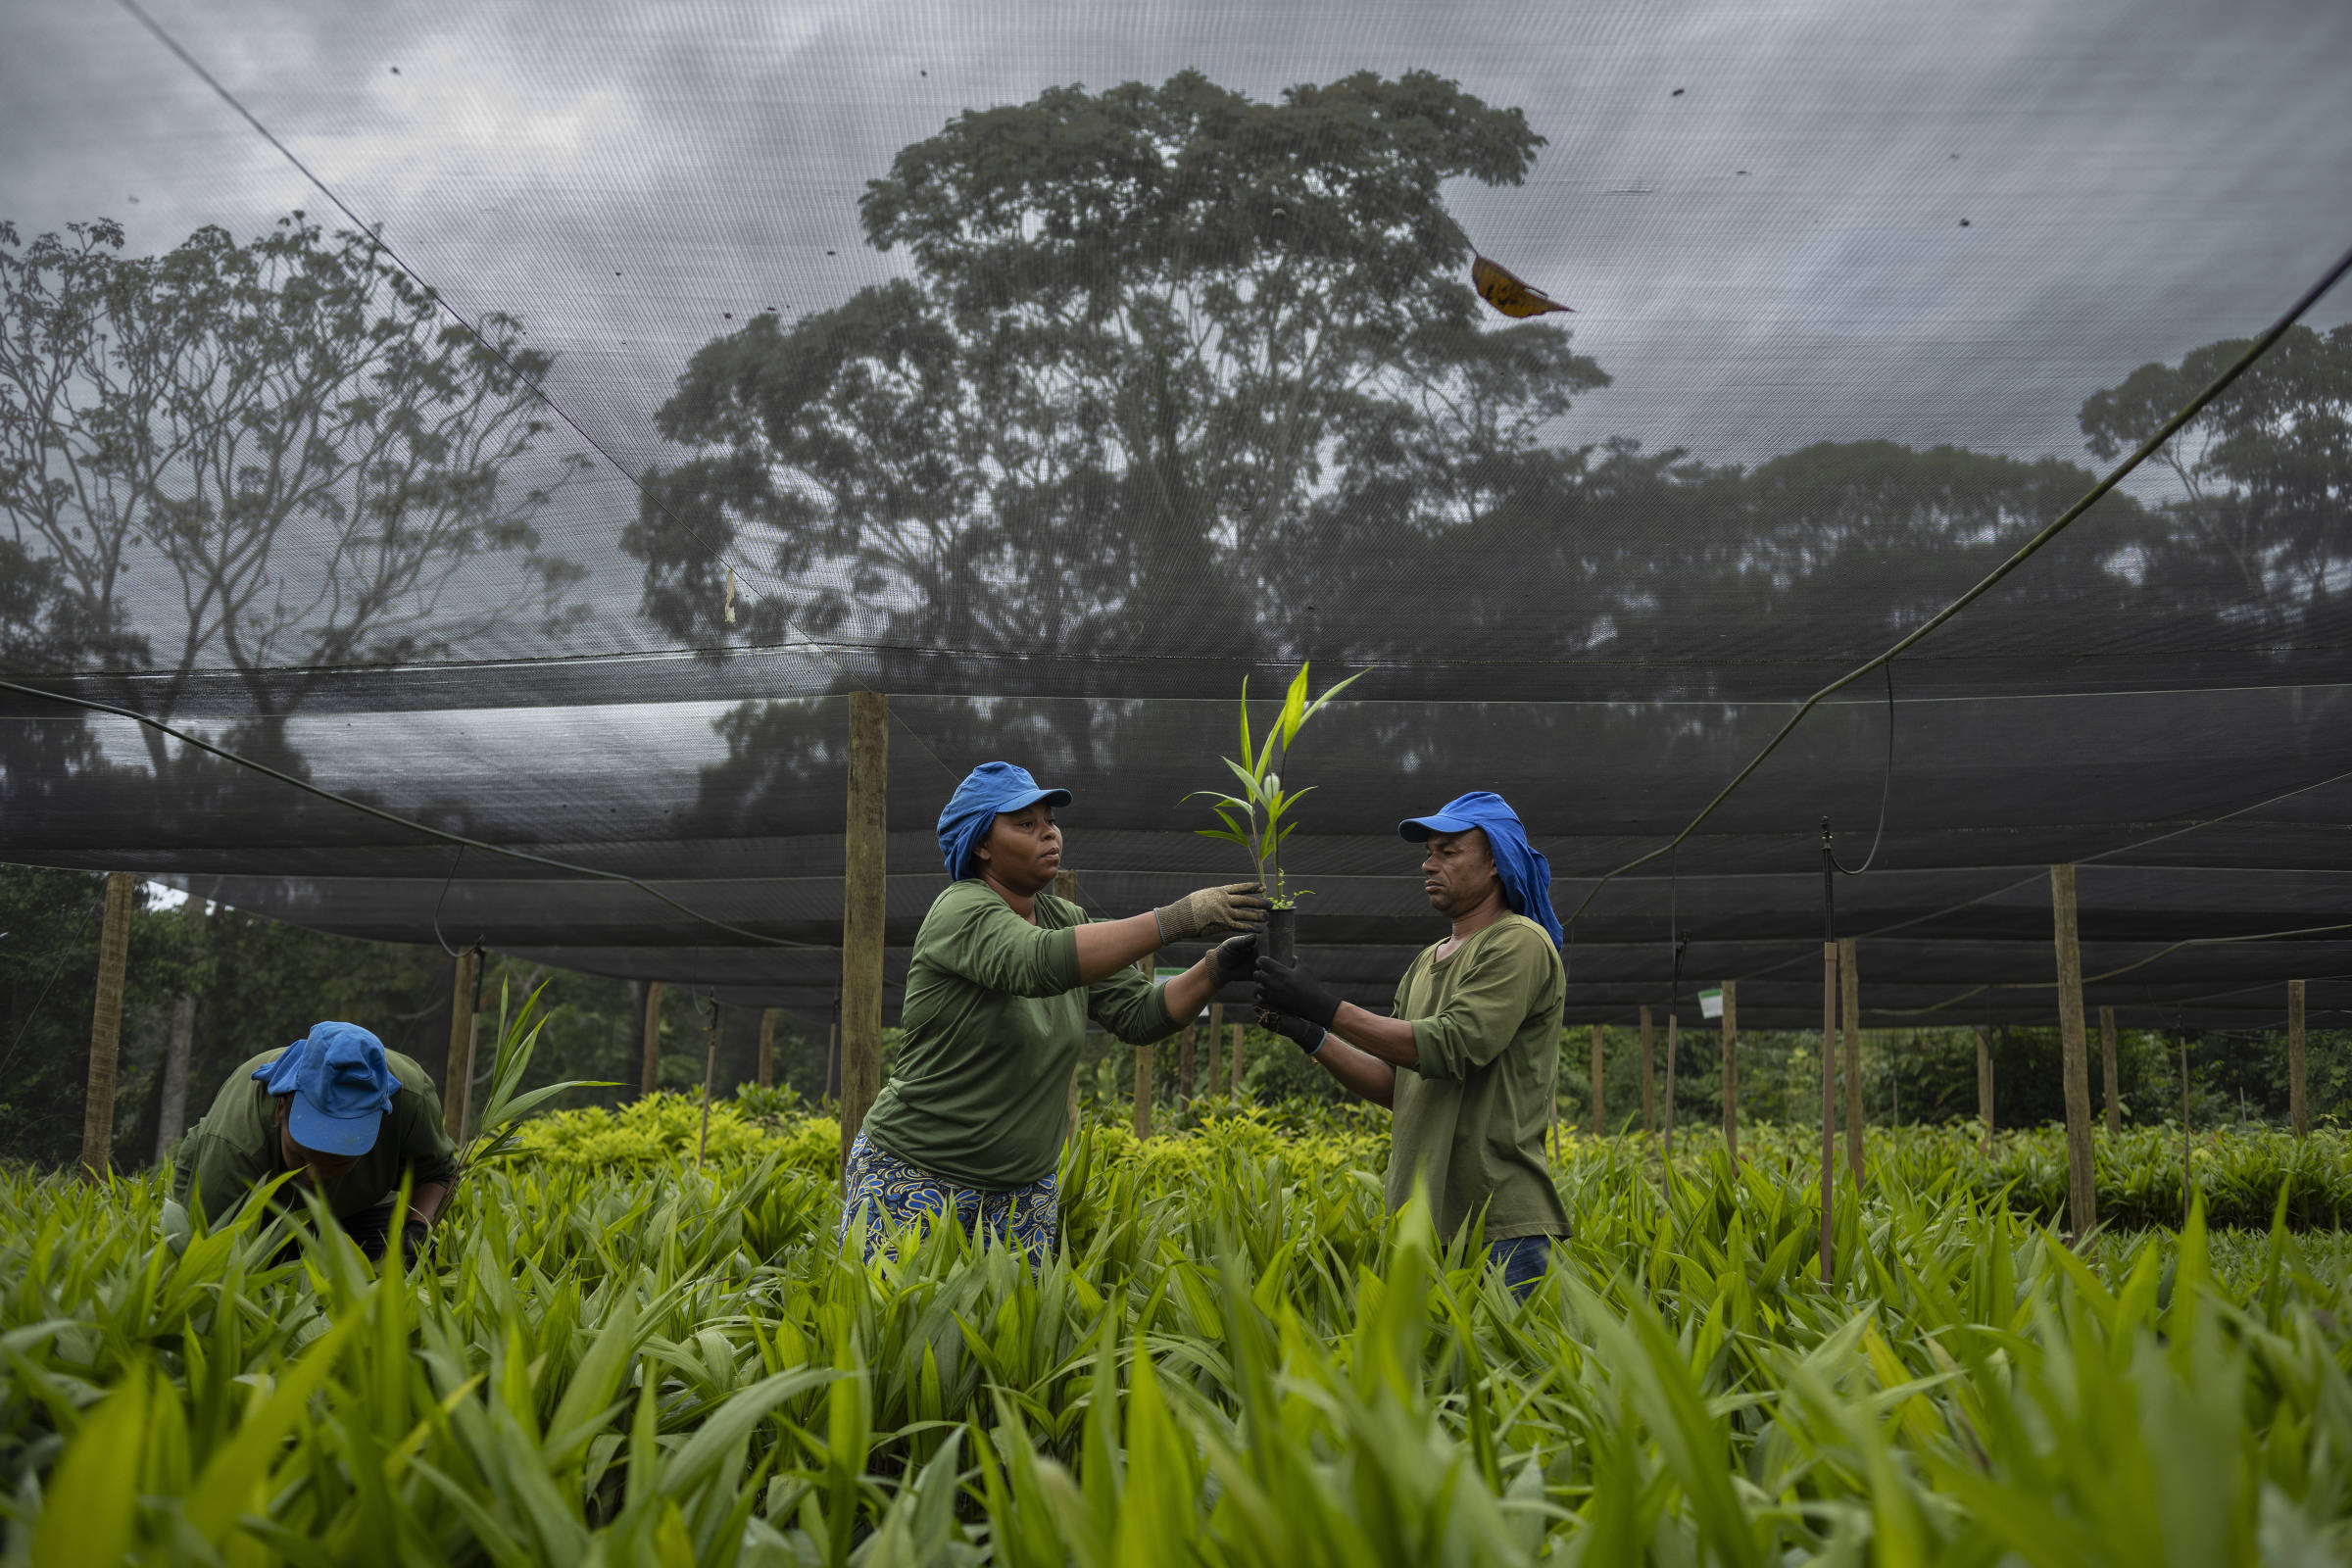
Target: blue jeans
{"x":1523,"y":1260}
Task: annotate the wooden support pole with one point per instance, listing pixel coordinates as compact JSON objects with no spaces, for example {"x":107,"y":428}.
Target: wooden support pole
{"x":1850,"y":983}
{"x":2298,"y":1103}
{"x":2108,"y":1073}
{"x":1674,"y":1039}
{"x":649,"y":1076}
{"x":865,"y":872}
{"x":1829,"y":1108}
{"x":702,"y":1146}
{"x":1216,"y":1047}
{"x":1730,"y":1068}
{"x":2082,"y":1194}
{"x":457,"y":1071}
{"x":1649,"y":1105}
{"x":1984,"y":1089}
{"x":767,"y":1048}
{"x":1143,"y":1093}
{"x":1599,"y":1127}
{"x":172,"y":1115}
{"x":106,"y":1026}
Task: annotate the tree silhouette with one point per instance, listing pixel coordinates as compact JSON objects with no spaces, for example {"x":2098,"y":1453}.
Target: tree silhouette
{"x":276,"y":456}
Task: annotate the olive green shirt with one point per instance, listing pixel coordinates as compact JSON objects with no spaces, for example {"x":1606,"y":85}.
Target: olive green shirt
{"x":994,"y":1018}
{"x":236,"y":1148}
{"x":1470,"y":1119}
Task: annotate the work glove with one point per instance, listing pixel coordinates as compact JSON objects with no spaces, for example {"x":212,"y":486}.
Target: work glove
{"x":1293,"y":987}
{"x":415,"y":1241}
{"x":1308,"y":1037}
{"x":1234,"y":958}
{"x":1235,"y":906}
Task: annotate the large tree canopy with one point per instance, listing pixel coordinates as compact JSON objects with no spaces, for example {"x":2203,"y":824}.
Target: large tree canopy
{"x":1156,"y":340}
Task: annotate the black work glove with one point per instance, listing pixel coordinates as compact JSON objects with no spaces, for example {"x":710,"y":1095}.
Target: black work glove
{"x":1308,"y":1037}
{"x":415,"y":1241}
{"x":1234,"y":958}
{"x":1294,"y":989}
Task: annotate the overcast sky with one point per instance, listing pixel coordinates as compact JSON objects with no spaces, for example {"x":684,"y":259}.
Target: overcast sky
{"x":1773,"y":257}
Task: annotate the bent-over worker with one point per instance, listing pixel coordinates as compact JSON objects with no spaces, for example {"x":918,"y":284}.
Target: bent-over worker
{"x":1003,"y":980}
{"x":347,"y":1117}
{"x":1469,"y":1058}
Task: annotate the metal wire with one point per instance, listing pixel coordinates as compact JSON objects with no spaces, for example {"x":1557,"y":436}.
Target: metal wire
{"x":1992,"y":579}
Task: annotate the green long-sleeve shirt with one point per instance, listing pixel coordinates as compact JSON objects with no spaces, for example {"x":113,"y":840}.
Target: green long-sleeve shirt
{"x":1470,"y":1119}
{"x":992,"y":1023}
{"x":235,"y":1147}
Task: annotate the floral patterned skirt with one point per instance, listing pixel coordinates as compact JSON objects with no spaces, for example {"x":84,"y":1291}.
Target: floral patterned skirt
{"x":887,"y":1190}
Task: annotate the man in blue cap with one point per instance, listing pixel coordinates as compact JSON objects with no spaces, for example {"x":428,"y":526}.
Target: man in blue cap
{"x":347,"y":1117}
{"x":1469,"y":1058}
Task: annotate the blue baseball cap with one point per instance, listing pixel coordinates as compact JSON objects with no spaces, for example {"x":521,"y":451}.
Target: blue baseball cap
{"x":1526,"y":875}
{"x":341,"y":1087}
{"x":986,"y":793}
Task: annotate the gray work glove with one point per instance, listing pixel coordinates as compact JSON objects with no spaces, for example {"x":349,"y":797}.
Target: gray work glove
{"x":1234,"y":906}
{"x":1234,"y":958}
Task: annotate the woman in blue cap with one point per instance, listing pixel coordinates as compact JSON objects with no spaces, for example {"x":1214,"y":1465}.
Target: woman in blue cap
{"x":1003,"y":980}
{"x":1469,"y":1057}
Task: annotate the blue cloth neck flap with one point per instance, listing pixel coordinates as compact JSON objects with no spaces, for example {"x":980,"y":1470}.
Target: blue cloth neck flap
{"x":1526,"y":875}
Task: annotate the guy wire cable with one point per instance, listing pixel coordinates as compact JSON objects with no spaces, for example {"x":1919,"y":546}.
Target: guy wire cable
{"x":1886,"y":786}
{"x":2035,"y":876}
{"x":380,"y":815}
{"x":375,"y":236}
{"x":2031,"y":547}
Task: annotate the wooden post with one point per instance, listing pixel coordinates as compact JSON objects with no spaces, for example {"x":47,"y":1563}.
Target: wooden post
{"x":1649,"y":1106}
{"x":2107,"y":1069}
{"x":2185,"y":1147}
{"x":2082,"y":1194}
{"x":1850,"y":982}
{"x":1674,"y":1036}
{"x":1599,"y":1126}
{"x":1184,"y":1066}
{"x":172,"y":1115}
{"x":1984,"y":1089}
{"x":457,"y":1070}
{"x":2298,"y":1104}
{"x":701,"y":1147}
{"x":1216,"y":1047}
{"x":106,"y":1026}
{"x":649,"y":1077}
{"x":864,"y":882}
{"x":1143,"y":1093}
{"x":1829,"y":1105}
{"x":767,"y":1048}
{"x":1730,"y":1068}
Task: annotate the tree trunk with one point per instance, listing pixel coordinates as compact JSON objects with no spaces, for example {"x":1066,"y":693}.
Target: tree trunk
{"x":1731,"y":1070}
{"x":1650,"y":1103}
{"x":180,"y":1045}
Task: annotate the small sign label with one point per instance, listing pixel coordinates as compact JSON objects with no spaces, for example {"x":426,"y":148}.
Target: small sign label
{"x":1710,"y":1003}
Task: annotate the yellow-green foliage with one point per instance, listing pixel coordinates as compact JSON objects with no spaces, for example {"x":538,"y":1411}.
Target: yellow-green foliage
{"x":664,"y":1129}
{"x":1238,"y":1359}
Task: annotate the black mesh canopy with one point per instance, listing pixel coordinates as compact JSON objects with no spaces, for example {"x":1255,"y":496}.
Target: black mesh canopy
{"x":535,"y":423}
